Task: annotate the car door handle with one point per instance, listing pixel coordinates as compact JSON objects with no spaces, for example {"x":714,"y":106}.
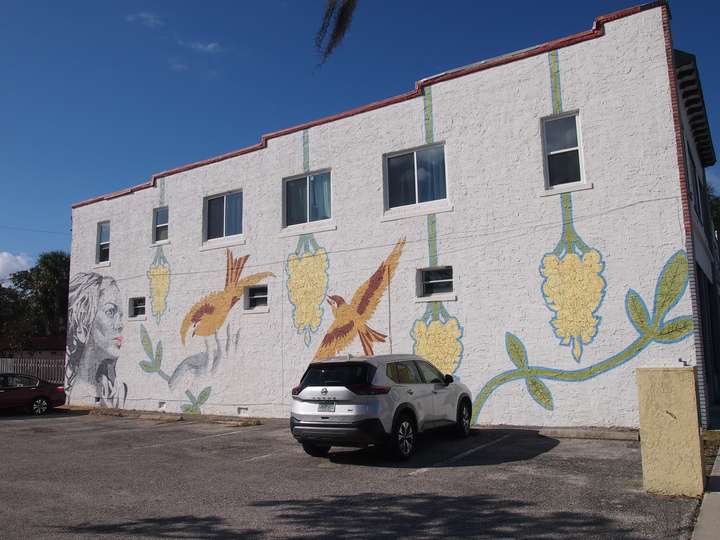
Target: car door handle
{"x":435,"y":391}
{"x":410,"y":391}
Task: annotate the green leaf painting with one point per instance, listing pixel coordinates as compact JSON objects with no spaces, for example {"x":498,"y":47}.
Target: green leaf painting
{"x":671,"y":285}
{"x":674,"y":330}
{"x":516,"y":350}
{"x":147,"y":367}
{"x":540,"y":392}
{"x":204,"y":395}
{"x":158,"y":354}
{"x":637,"y":312}
{"x":146,"y":343}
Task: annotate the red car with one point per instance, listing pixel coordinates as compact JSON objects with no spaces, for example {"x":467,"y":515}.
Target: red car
{"x":30,"y":392}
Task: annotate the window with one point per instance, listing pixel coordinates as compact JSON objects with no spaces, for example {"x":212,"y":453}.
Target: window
{"x":338,"y":374}
{"x":429,"y":373}
{"x":562,"y":150}
{"x":416,"y":177}
{"x":307,"y":198}
{"x":403,"y":373}
{"x":103,"y":242}
{"x":137,"y":307}
{"x":435,"y":280}
{"x":223,"y":215}
{"x":20,"y":381}
{"x":160,"y":224}
{"x":256,"y":297}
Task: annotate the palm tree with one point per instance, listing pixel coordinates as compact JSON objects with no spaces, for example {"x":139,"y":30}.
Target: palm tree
{"x":336,"y":19}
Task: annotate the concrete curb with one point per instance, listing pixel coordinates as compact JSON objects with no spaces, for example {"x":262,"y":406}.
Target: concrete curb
{"x":708,"y":520}
{"x":610,"y":433}
{"x":173,"y":417}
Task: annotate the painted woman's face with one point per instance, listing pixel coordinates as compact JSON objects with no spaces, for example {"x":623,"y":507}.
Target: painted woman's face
{"x":107,"y":328}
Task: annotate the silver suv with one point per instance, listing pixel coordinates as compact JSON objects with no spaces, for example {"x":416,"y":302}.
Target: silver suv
{"x":375,"y":400}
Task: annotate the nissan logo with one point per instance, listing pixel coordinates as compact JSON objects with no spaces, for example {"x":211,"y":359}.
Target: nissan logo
{"x":323,"y":391}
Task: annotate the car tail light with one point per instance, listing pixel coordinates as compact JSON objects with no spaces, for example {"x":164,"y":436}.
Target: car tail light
{"x":297,"y":390}
{"x":60,"y":389}
{"x":368,"y":389}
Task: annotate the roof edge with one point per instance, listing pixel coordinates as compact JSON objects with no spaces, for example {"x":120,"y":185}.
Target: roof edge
{"x":596,"y":31}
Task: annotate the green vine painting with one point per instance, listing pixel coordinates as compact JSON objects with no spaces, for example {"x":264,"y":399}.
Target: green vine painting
{"x":651,"y":328}
{"x":153,"y":364}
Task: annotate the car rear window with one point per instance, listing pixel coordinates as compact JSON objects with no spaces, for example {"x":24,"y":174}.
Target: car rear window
{"x":338,"y":374}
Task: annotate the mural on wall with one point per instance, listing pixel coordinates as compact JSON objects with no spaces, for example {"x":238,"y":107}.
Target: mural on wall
{"x":436,"y":335}
{"x":94,"y":339}
{"x":159,"y":273}
{"x":351,"y":319}
{"x":573,"y":288}
{"x":307,"y":285}
{"x":205,"y":318}
{"x":307,"y":274}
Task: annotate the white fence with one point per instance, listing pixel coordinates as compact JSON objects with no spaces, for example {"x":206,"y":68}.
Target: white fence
{"x":49,"y":369}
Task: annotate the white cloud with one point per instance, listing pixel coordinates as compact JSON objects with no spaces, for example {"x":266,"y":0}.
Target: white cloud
{"x":10,"y":263}
{"x":199,"y":46}
{"x":146,"y":19}
{"x":178,"y":65}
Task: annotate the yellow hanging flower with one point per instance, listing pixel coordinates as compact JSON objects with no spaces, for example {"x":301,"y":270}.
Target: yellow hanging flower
{"x":439,"y":343}
{"x":159,"y":277}
{"x":307,"y":285}
{"x":573,"y":290}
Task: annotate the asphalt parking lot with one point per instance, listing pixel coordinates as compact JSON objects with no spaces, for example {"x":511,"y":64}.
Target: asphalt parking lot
{"x":77,"y":475}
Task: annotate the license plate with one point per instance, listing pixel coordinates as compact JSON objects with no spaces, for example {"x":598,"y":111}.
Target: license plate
{"x":326,"y":407}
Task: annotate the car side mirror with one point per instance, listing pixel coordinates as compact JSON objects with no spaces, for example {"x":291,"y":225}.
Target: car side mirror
{"x":448,"y":379}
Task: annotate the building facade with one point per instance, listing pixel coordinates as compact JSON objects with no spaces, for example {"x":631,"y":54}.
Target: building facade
{"x":528,"y":223}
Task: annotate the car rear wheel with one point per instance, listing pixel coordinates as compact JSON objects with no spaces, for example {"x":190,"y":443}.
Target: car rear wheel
{"x":315,"y":450}
{"x":39,"y":406}
{"x":464,"y":415}
{"x":402,"y":442}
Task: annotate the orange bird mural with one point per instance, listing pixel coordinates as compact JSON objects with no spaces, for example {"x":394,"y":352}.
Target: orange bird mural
{"x":351,"y":319}
{"x":207,"y":315}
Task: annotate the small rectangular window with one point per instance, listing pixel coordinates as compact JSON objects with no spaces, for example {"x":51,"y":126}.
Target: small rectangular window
{"x":307,"y":198}
{"x":562,"y":150}
{"x":136,"y":307}
{"x":416,"y":177}
{"x":160,"y":224}
{"x":223,"y":215}
{"x":256,"y":297}
{"x":102,"y":252}
{"x":436,"y":280}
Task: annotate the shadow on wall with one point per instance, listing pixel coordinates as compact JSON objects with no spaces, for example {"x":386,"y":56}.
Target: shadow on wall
{"x":209,"y":527}
{"x":426,"y":515}
{"x":442,"y":450}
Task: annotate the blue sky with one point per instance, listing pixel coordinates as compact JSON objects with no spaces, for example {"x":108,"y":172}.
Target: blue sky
{"x":98,"y":95}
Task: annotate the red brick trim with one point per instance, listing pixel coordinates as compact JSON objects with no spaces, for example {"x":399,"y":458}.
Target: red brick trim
{"x":687,"y":218}
{"x":596,"y":31}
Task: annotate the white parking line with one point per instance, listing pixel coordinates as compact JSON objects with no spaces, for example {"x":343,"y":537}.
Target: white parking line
{"x":458,"y":457}
{"x":170,"y":443}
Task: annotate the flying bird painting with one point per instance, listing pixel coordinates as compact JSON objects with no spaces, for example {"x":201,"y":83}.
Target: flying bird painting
{"x":351,"y":319}
{"x":207,"y":316}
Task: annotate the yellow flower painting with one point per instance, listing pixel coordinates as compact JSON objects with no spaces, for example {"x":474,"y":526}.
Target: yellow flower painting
{"x":439,"y":342}
{"x":307,"y":285}
{"x":573,"y":289}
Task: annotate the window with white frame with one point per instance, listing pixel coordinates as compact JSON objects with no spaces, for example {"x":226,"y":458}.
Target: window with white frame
{"x":223,"y":215}
{"x":160,"y":224}
{"x":136,"y":307}
{"x":307,"y":198}
{"x":102,"y":250}
{"x":256,"y":297}
{"x":561,"y":140}
{"x":437,"y":280}
{"x":416,"y":176}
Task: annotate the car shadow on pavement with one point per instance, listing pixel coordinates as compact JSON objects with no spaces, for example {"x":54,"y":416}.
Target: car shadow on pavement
{"x":187,"y":526}
{"x":19,"y":414}
{"x":425,"y":515}
{"x":441,"y":449}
